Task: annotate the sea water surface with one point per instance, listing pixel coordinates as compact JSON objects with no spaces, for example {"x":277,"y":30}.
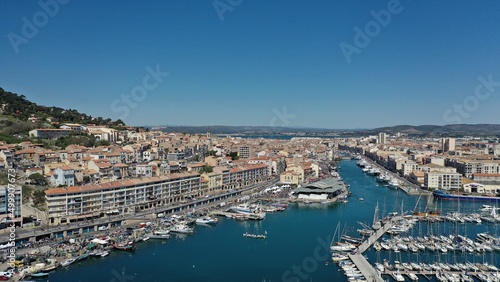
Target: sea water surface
{"x":296,"y":247}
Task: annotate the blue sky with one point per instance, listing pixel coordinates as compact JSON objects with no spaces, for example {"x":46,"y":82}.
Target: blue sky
{"x":242,"y":62}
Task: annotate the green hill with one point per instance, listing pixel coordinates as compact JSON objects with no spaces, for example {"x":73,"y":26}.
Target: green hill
{"x":18,"y":106}
{"x":18,"y":116}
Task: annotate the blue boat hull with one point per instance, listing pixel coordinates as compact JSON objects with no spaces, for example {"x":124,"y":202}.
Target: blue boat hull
{"x":445,"y":196}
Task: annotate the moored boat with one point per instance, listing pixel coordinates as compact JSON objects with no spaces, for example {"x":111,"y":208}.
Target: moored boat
{"x":256,"y":236}
{"x":440,"y":194}
{"x":207,"y":220}
{"x":182,"y":228}
{"x":68,"y":262}
{"x":127,"y":247}
{"x":40,"y":274}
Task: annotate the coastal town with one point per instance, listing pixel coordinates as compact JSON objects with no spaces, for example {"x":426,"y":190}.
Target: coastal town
{"x":146,"y":184}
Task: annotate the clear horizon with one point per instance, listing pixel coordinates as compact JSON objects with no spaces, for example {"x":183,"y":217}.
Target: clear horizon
{"x":346,"y":65}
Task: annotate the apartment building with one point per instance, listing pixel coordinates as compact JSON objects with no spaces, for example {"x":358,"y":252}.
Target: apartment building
{"x":468,"y":167}
{"x":448,"y":144}
{"x":243,"y":174}
{"x":408,"y":167}
{"x":214,"y":180}
{"x":127,"y":196}
{"x":6,"y":192}
{"x":442,"y":180}
{"x":245,"y":152}
{"x":50,"y":133}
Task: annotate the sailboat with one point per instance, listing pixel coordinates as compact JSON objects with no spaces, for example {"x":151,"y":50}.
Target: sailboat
{"x":415,"y":211}
{"x":339,"y":246}
{"x":376,"y":222}
{"x":492,"y":217}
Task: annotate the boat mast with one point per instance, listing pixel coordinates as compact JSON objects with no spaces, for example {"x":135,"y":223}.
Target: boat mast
{"x":375,"y":216}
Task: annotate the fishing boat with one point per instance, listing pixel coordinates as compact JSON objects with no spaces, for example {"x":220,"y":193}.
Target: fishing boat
{"x":127,"y":247}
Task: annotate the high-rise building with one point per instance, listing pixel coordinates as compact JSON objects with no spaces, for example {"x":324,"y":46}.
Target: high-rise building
{"x":448,"y":144}
{"x":382,"y":138}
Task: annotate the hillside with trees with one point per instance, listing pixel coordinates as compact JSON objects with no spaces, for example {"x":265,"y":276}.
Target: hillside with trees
{"x":18,"y":116}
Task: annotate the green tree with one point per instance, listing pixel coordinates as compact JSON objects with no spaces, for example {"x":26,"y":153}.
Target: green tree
{"x":39,"y":198}
{"x":27,"y":192}
{"x":37,"y":179}
{"x":233,"y":155}
{"x":102,"y":143}
{"x":206,"y":169}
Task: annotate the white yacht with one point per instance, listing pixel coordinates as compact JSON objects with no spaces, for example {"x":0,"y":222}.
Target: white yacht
{"x":160,"y":234}
{"x":241,"y":208}
{"x":394,"y":183}
{"x":181,"y":228}
{"x":206,"y":220}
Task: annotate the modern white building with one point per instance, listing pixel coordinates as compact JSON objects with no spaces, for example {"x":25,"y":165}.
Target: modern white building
{"x":382,"y":138}
{"x":127,"y":196}
{"x":442,"y":180}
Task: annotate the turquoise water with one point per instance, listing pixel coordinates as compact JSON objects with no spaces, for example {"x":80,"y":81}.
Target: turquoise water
{"x":296,"y":248}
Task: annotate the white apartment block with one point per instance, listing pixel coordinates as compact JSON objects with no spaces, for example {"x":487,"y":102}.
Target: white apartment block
{"x":408,"y":167}
{"x":442,"y":180}
{"x":127,"y":196}
{"x":469,"y":167}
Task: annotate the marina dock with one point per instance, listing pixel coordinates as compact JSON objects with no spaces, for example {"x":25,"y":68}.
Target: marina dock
{"x":361,"y":262}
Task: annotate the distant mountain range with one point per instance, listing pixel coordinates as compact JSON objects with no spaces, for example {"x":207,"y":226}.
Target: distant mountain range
{"x":245,"y":130}
{"x":16,"y":110}
{"x":452,"y":130}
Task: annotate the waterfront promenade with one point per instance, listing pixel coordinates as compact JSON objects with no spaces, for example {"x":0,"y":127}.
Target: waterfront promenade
{"x":409,"y":188}
{"x":35,"y":233}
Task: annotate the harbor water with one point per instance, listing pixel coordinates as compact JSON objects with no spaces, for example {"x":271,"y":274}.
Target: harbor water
{"x":296,"y":247}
